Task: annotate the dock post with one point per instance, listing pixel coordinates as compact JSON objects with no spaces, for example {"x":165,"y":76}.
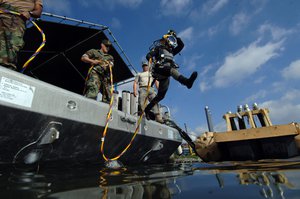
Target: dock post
{"x":250,"y":116}
{"x":208,"y":119}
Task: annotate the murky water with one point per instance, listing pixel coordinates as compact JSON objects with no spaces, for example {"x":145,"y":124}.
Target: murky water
{"x":263,"y":179}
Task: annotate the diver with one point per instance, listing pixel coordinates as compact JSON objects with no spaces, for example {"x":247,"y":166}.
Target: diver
{"x":162,"y":54}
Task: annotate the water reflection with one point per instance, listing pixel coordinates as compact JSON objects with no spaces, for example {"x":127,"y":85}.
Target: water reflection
{"x":273,"y":179}
{"x":146,"y":182}
{"x":23,"y":184}
{"x":270,"y":183}
{"x":270,"y":178}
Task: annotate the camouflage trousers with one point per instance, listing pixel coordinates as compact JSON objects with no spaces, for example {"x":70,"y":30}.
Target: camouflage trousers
{"x":12,"y":30}
{"x":95,"y":83}
{"x":143,"y":96}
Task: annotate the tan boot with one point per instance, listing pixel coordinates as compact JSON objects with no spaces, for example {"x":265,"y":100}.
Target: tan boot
{"x":159,"y":119}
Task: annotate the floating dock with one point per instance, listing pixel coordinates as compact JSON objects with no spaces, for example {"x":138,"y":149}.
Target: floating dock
{"x":250,"y":135}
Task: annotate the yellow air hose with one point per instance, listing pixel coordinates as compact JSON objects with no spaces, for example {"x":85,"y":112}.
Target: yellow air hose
{"x":41,"y":45}
{"x":108,"y":118}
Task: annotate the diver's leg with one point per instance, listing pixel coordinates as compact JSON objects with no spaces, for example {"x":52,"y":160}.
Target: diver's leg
{"x":188,"y":82}
{"x":162,"y":90}
{"x":155,"y":108}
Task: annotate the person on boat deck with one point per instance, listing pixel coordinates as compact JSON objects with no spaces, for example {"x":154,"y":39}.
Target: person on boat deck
{"x":98,"y":79}
{"x":141,"y":79}
{"x":162,"y":55}
{"x":12,"y":27}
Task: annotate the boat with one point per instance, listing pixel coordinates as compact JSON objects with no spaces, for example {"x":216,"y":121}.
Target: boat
{"x":250,"y":135}
{"x":44,"y":117}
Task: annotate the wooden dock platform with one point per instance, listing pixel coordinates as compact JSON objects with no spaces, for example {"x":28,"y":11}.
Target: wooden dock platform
{"x":250,"y":135}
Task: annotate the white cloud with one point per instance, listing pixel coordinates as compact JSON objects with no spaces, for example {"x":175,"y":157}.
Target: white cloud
{"x":175,"y":7}
{"x":187,"y":34}
{"x":213,"y":6}
{"x":57,"y":6}
{"x":239,"y":22}
{"x":245,"y":62}
{"x":278,"y":86}
{"x":115,"y":23}
{"x":204,"y":86}
{"x":191,"y":62}
{"x":292,"y":71}
{"x":285,"y":109}
{"x":188,"y":37}
{"x":259,"y":80}
{"x":205,"y":70}
{"x":276,"y":32}
{"x":257,"y":96}
{"x":258,"y":5}
{"x":212,"y":31}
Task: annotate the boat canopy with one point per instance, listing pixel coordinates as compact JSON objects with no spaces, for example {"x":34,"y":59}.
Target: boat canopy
{"x":59,"y":63}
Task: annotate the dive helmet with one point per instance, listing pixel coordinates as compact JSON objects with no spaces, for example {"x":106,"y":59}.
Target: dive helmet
{"x":171,"y":40}
{"x":172,"y":32}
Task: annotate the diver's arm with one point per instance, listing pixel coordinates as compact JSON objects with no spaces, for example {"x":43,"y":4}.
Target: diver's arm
{"x":179,"y":46}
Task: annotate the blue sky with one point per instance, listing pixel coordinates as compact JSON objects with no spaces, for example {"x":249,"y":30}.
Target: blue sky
{"x":245,"y":51}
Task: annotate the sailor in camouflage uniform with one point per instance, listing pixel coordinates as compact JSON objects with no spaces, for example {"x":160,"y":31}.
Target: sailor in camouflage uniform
{"x":98,"y":79}
{"x":12,"y":28}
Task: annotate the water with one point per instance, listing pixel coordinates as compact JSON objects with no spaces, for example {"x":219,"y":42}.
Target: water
{"x":263,"y":179}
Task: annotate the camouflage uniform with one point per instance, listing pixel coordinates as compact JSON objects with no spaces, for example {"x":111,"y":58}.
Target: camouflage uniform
{"x":12,"y":28}
{"x":99,"y":76}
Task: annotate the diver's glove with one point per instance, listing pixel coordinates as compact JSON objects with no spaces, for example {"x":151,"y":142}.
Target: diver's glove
{"x":172,"y":32}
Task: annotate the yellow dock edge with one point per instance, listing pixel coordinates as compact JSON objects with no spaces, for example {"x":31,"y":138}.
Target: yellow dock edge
{"x":258,"y":133}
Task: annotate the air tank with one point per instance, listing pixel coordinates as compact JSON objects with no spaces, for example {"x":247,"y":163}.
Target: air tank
{"x":133,"y":104}
{"x":126,"y":102}
{"x":116,"y":100}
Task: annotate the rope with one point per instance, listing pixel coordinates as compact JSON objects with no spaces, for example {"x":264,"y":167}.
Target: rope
{"x":41,"y":45}
{"x":109,"y":112}
{"x":108,"y":117}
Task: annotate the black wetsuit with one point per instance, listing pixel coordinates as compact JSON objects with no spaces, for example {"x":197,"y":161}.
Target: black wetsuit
{"x":164,"y":67}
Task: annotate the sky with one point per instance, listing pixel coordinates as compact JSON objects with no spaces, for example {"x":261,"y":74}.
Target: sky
{"x":245,"y":51}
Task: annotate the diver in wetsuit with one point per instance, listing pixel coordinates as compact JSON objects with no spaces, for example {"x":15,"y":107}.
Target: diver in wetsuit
{"x":162,"y":55}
